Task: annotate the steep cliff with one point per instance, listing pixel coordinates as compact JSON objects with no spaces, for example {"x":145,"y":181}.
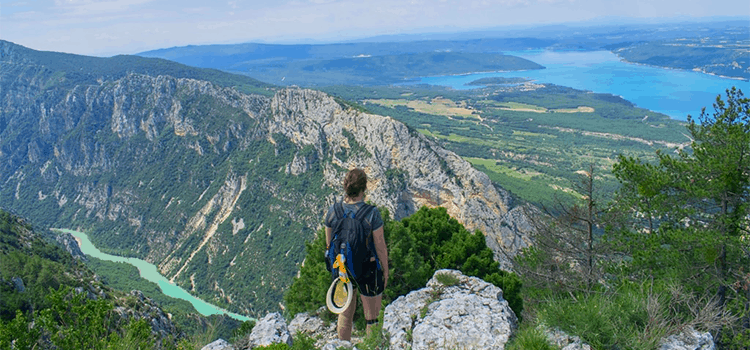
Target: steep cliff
{"x":217,"y":187}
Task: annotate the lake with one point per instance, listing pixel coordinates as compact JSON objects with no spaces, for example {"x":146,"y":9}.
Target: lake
{"x":151,"y":273}
{"x":673,"y":92}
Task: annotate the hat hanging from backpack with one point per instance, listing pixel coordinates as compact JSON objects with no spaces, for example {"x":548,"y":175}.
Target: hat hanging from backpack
{"x":340,"y":295}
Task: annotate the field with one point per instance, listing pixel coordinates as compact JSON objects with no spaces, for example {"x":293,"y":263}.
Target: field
{"x":536,"y":144}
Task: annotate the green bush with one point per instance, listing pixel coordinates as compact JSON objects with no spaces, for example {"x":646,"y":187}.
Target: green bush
{"x":419,"y":245}
{"x":529,"y":338}
{"x":447,"y":279}
{"x":72,"y":321}
{"x":303,"y":342}
{"x":274,"y":346}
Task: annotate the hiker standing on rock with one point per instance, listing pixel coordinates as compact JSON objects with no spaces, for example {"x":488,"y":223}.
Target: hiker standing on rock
{"x":367,"y":263}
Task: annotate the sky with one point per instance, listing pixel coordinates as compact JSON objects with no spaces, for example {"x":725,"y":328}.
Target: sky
{"x":110,"y":27}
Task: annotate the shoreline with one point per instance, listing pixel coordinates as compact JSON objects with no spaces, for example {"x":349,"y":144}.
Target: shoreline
{"x":479,"y":72}
{"x":696,"y":70}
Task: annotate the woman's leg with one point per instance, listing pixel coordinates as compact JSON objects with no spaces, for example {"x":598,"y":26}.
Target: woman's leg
{"x":371,"y":306}
{"x":344,"y":324}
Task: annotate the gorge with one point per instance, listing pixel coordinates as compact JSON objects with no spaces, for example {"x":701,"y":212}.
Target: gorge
{"x":217,"y":187}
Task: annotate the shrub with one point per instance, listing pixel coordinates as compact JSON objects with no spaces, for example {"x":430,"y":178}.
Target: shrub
{"x":530,"y":338}
{"x":419,"y":245}
{"x":447,"y":279}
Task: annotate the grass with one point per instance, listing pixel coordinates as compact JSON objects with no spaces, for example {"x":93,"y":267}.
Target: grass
{"x":514,"y":106}
{"x":532,"y":134}
{"x":580,"y":109}
{"x":522,"y":107}
{"x":491,"y":164}
{"x":530,"y":338}
{"x":447,"y":279}
{"x":634,"y":316}
{"x":436,"y":106}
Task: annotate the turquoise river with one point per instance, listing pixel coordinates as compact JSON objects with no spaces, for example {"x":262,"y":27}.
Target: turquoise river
{"x":151,"y":273}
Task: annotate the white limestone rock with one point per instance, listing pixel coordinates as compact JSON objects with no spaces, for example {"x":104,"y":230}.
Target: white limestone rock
{"x":469,"y":315}
{"x":689,"y":339}
{"x":269,"y":330}
{"x":337,"y":344}
{"x":565,"y":341}
{"x":219,"y":344}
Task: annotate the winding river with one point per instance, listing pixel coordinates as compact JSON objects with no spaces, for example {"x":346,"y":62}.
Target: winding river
{"x":151,"y":273}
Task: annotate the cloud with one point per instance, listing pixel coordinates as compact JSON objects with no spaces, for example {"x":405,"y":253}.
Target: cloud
{"x":91,"y":26}
{"x":83,"y":8}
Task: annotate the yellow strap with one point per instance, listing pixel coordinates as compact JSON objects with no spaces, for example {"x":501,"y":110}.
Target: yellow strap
{"x":339,"y":264}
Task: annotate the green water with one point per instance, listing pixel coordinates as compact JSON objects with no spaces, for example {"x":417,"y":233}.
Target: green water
{"x":151,"y":273}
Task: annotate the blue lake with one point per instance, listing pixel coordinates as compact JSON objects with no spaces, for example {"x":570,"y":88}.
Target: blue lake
{"x":673,"y":92}
{"x":151,"y":273}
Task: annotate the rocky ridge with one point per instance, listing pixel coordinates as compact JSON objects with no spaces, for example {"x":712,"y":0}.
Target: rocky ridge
{"x":425,"y":173}
{"x":214,"y":185}
{"x":453,"y":311}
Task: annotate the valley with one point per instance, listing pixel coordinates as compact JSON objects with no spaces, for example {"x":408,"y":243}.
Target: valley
{"x":218,"y":188}
{"x":532,"y":143}
{"x":212,"y":165}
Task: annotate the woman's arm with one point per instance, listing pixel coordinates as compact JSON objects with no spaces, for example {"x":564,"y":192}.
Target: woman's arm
{"x":329,"y":230}
{"x":381,"y":249}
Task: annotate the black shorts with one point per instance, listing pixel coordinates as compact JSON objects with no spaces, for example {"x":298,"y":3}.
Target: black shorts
{"x":372,"y":281}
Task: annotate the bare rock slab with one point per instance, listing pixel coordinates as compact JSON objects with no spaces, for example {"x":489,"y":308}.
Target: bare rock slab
{"x":472,"y":314}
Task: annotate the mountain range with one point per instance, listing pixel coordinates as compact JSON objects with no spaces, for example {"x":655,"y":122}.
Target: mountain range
{"x":215,"y":178}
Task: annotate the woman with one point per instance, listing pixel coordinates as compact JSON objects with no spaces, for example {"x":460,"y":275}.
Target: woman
{"x":355,"y":184}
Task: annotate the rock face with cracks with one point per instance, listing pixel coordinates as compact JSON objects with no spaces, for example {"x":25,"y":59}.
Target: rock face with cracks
{"x":471,"y":314}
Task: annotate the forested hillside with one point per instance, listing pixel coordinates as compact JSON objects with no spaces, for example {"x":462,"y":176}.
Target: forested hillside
{"x":218,"y":188}
{"x":51,"y":299}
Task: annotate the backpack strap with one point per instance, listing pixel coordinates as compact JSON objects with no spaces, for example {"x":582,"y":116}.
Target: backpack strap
{"x":361,"y":215}
{"x":338,"y":209}
{"x":364,"y":212}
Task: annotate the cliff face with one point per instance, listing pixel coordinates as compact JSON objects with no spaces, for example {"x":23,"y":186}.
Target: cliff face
{"x":218,"y":188}
{"x":406,"y":169}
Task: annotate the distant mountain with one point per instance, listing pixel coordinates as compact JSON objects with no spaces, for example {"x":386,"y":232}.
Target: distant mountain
{"x":218,"y":187}
{"x":389,"y":60}
{"x":356,"y":63}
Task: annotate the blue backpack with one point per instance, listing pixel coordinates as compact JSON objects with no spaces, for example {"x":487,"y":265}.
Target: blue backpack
{"x":351,"y":236}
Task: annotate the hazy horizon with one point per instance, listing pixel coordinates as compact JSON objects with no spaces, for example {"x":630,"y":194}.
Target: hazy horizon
{"x":106,"y":28}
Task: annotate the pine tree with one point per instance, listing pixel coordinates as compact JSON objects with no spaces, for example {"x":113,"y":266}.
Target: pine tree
{"x":686,"y":218}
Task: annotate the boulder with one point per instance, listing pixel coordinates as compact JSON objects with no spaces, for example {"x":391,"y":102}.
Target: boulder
{"x":689,"y":339}
{"x":310,"y":325}
{"x":337,"y":344}
{"x":564,"y":341}
{"x":18,"y":284}
{"x":271,"y":329}
{"x":70,"y":244}
{"x":470,"y":314}
{"x":219,"y":344}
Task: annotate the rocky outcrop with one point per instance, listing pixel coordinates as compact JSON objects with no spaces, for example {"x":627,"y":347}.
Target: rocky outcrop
{"x":70,"y":244}
{"x":406,"y":169}
{"x":324,"y":333}
{"x":565,"y":341}
{"x":471,"y":314}
{"x":689,"y":339}
{"x":219,"y":344}
{"x":159,"y":322}
{"x":271,"y":329}
{"x":18,"y":284}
